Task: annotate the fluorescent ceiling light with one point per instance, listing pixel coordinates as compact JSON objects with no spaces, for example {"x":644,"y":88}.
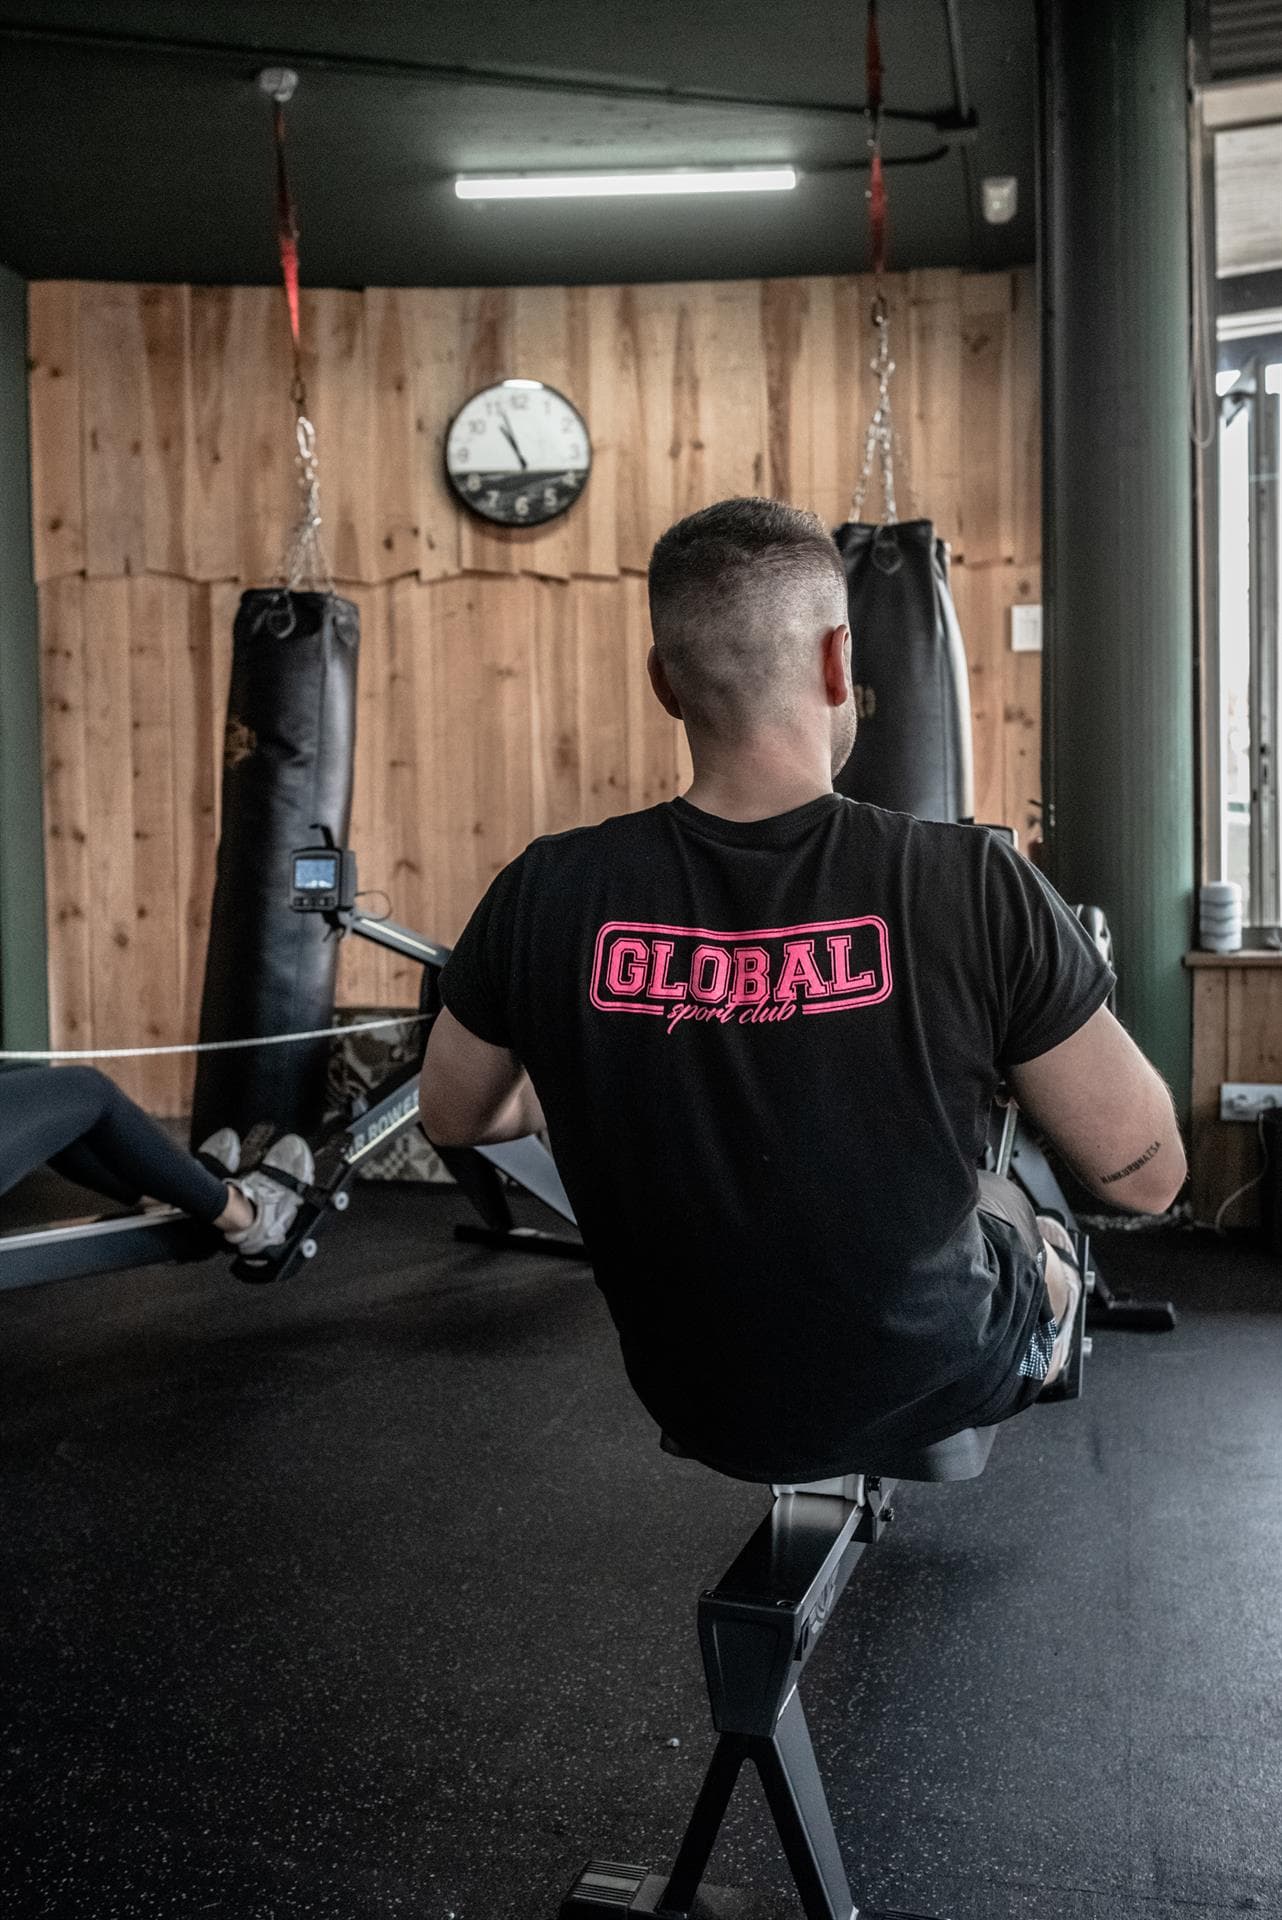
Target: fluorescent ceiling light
{"x":571,"y":186}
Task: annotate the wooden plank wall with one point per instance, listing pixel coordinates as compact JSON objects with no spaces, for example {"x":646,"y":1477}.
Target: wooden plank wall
{"x":1237,"y":1035}
{"x":501,"y":681}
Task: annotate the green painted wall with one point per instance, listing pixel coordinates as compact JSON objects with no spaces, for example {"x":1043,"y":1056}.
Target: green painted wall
{"x":1118,"y":682}
{"x":24,"y":999}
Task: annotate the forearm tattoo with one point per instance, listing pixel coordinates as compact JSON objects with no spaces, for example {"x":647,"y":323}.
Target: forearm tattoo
{"x":1124,"y":1172}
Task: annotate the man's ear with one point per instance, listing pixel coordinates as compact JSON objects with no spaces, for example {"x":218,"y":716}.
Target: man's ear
{"x":662,"y":686}
{"x":838,"y":676}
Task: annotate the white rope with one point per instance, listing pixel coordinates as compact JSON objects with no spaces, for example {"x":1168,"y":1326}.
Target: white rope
{"x":215,"y":1046}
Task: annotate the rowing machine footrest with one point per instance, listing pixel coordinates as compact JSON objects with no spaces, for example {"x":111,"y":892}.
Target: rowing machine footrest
{"x":607,"y":1888}
{"x":255,"y":1145}
{"x":261,"y":1274}
{"x":606,"y":1891}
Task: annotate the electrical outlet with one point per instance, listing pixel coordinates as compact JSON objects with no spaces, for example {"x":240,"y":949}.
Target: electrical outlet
{"x":1247,"y":1099}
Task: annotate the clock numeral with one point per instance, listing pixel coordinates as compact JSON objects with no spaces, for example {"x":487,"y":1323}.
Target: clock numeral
{"x":519,"y":402}
{"x":550,"y":499}
{"x":476,"y":426}
{"x":521,"y":506}
{"x":474,"y":483}
{"x":492,"y":497}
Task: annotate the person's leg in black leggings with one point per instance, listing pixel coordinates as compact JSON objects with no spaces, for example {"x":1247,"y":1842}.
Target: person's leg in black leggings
{"x":85,"y":1169}
{"x":81,"y":1123}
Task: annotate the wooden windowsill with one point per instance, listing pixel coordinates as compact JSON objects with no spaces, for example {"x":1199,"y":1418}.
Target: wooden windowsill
{"x":1245,"y":957}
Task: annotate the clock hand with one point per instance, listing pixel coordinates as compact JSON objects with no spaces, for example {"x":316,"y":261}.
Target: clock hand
{"x":510,"y":437}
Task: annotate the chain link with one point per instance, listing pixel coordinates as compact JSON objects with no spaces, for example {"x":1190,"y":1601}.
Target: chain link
{"x":305,"y":564}
{"x":882,"y":444}
{"x":879,"y":440}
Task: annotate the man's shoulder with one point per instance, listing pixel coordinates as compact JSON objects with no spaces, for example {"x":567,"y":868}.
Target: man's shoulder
{"x":960,"y":838}
{"x":597,"y":841}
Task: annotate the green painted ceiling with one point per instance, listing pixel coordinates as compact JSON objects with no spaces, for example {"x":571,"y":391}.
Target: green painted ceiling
{"x":134,"y":143}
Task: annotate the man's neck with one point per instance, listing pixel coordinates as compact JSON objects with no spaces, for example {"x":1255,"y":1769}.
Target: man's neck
{"x":758,"y":780}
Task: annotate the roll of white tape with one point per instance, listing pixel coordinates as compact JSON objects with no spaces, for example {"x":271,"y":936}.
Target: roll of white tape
{"x":1220,"y":916}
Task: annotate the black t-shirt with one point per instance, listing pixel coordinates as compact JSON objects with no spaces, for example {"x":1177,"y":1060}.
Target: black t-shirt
{"x":767,"y":1052}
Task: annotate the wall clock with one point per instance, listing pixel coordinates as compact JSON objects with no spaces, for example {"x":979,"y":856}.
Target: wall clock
{"x":518,"y":453}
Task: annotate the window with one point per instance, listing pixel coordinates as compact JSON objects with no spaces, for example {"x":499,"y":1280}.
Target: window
{"x":1236,"y":210}
{"x":1249,"y":617}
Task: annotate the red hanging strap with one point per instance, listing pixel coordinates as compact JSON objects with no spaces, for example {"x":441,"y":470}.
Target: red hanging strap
{"x":874,"y":65}
{"x":877,"y":177}
{"x":877,"y":213}
{"x":287,"y":237}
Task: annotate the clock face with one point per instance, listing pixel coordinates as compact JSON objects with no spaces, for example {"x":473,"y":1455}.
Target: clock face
{"x":518,"y":453}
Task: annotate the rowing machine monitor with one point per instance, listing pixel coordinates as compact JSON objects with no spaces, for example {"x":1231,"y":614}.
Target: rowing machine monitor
{"x":322,"y":880}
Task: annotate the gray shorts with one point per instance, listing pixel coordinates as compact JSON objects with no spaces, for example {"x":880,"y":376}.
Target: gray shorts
{"x":1003,"y":1200}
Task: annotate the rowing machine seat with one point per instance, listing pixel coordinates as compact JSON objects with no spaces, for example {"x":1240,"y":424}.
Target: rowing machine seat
{"x":962,"y":1456}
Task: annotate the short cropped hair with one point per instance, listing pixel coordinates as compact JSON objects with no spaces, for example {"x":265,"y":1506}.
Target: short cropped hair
{"x":737,"y":594}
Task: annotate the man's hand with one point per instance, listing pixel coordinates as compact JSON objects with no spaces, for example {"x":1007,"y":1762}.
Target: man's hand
{"x":472,"y":1094}
{"x":1109,"y":1112}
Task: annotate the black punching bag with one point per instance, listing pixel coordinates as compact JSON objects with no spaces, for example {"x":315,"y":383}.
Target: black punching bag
{"x":291,"y":734}
{"x":913,"y":751}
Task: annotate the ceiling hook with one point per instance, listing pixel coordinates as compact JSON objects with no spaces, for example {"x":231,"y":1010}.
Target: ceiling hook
{"x":279,"y":83}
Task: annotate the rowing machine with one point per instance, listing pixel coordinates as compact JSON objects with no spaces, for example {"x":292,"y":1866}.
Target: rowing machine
{"x":323,"y":881}
{"x":758,"y":1627}
{"x":479,"y":1171}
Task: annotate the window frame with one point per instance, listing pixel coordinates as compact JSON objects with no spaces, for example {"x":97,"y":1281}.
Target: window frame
{"x":1264,"y":446}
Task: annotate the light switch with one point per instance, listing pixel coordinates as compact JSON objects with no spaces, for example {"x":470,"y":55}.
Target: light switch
{"x":1026,"y":629}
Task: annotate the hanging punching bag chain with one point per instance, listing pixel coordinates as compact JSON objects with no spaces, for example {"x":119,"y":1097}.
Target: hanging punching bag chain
{"x":303,"y":564}
{"x":881,"y":441}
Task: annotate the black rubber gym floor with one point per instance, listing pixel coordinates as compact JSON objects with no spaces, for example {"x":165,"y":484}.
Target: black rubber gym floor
{"x":372,"y":1595}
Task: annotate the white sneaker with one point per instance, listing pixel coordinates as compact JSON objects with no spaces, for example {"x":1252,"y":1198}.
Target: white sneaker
{"x":224,"y":1147}
{"x":274,"y":1205}
{"x":1057,"y":1235}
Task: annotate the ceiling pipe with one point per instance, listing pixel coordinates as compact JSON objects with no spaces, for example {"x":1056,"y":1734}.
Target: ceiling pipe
{"x":945,"y":121}
{"x":961,"y":95}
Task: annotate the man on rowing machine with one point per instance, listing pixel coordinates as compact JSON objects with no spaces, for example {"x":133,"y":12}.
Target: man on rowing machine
{"x":85,"y":1128}
{"x":766,"y":1025}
